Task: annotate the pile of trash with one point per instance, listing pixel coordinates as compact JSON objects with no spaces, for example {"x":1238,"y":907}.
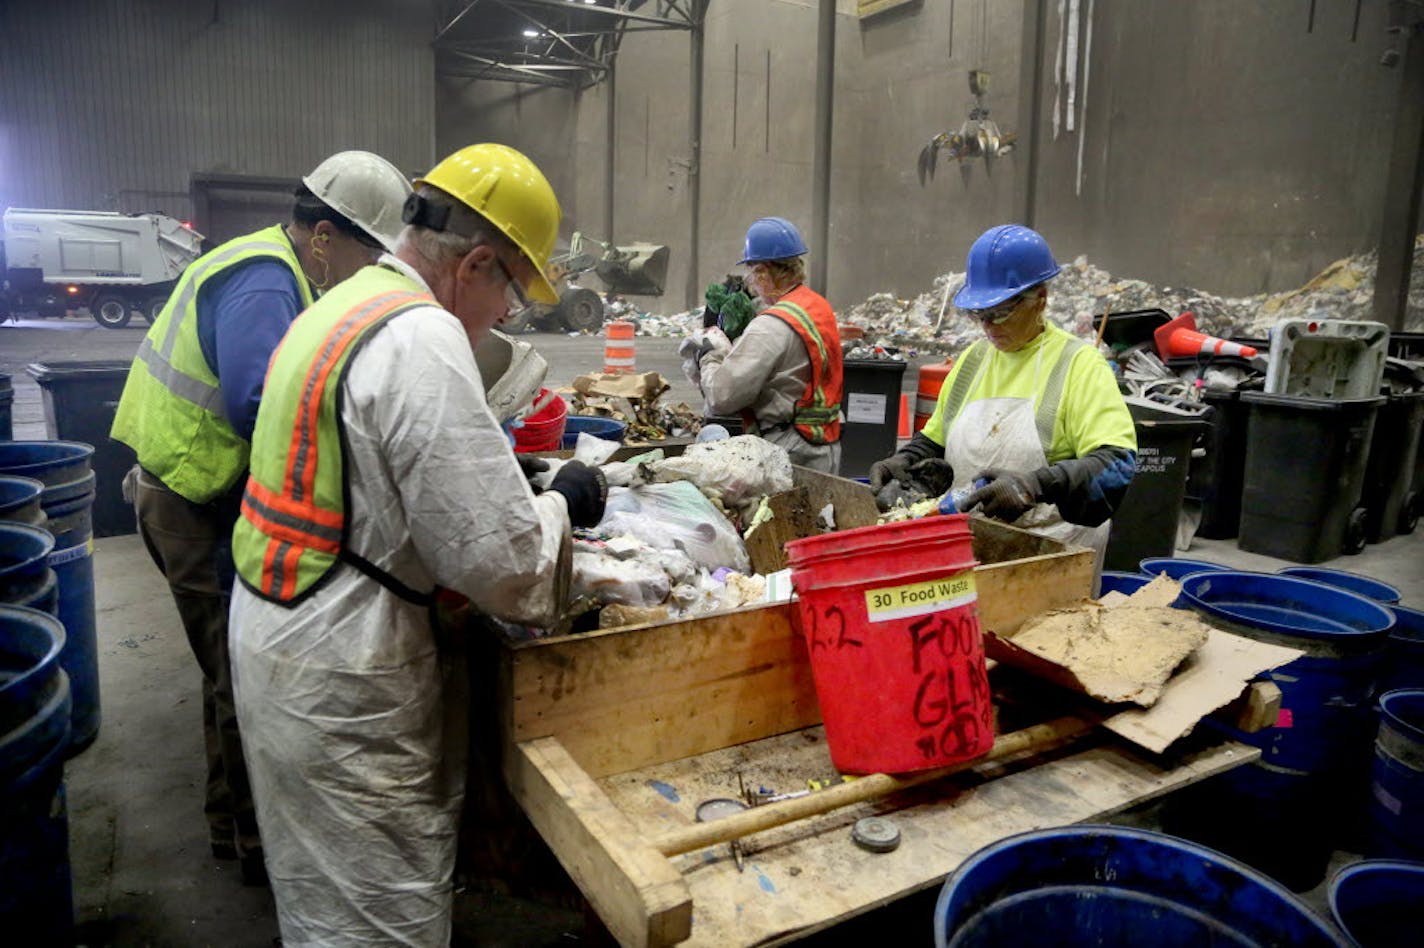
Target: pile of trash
{"x":671,"y":543}
{"x":635,"y":401}
{"x":1082,"y":293}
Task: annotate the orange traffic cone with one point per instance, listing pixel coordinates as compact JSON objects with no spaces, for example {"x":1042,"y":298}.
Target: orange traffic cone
{"x":904,"y":431}
{"x":1180,"y":338}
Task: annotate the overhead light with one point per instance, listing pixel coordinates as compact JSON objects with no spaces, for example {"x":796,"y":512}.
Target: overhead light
{"x":532,"y":34}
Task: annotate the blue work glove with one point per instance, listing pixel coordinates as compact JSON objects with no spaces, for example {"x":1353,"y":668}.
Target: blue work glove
{"x":1007,"y":496}
{"x":586,"y":490}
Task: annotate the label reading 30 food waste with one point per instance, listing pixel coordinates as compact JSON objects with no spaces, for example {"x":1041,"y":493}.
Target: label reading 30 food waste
{"x":917,"y":599}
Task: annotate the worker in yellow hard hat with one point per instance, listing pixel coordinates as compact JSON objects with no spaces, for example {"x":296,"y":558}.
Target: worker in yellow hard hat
{"x":379,"y":474}
{"x":188,"y":408}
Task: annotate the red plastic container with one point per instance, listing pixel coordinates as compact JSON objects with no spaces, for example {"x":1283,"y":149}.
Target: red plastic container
{"x":544,"y":429}
{"x":891,"y":620}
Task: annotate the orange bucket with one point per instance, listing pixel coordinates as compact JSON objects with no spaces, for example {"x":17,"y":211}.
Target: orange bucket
{"x":891,"y":620}
{"x":927,"y":393}
{"x":543,"y":430}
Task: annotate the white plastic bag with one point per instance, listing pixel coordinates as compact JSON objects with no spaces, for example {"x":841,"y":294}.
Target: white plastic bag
{"x":737,"y":471}
{"x":676,"y":516}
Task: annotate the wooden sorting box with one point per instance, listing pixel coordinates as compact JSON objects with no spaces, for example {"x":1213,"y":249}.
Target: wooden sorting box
{"x":610,"y":739}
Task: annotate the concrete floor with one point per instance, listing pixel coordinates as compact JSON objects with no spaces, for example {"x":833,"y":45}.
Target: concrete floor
{"x":142,"y":871}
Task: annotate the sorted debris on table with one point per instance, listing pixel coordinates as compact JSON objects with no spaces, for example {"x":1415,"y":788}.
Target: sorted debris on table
{"x":634,"y":400}
{"x":736,"y":472}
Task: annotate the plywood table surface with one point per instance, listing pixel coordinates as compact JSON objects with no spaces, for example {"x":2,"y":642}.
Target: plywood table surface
{"x":808,"y":875}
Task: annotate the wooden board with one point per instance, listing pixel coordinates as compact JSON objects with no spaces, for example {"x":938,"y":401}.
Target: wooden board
{"x":809,"y":875}
{"x":639,"y":895}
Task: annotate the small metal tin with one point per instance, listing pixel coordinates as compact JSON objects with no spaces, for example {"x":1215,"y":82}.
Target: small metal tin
{"x":876,"y":834}
{"x":718,"y":807}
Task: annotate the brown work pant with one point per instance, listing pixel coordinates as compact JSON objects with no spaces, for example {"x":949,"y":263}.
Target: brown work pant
{"x":192,"y":546}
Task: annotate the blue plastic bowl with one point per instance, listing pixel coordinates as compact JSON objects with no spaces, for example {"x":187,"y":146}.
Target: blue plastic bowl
{"x":1354,"y":582}
{"x":1175,"y":568}
{"x":1125,"y":583}
{"x":1285,"y":604}
{"x":609,"y":429}
{"x":1379,"y":902}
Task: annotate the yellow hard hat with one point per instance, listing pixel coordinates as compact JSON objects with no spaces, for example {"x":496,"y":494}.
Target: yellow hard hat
{"x":509,"y":191}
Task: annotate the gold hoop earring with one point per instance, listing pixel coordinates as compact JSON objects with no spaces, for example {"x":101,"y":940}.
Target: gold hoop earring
{"x":320,"y":256}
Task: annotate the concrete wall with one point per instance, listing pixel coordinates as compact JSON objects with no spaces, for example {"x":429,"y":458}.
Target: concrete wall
{"x":113,"y":104}
{"x":1228,"y":144}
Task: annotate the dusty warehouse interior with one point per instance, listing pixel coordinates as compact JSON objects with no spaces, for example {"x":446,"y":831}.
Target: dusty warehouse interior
{"x":711,"y":472}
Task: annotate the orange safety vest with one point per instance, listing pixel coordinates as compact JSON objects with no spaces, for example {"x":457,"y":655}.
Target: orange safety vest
{"x":818,"y":411}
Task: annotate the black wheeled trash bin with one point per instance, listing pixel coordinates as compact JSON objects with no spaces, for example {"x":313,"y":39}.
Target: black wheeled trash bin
{"x":1305,"y":473}
{"x":871,"y":405}
{"x":1391,"y":505}
{"x":1145,"y":523}
{"x":79,"y":403}
{"x":1216,"y":478}
{"x":7,"y":398}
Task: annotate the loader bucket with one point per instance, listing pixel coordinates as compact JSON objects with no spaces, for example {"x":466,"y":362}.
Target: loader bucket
{"x":634,"y":269}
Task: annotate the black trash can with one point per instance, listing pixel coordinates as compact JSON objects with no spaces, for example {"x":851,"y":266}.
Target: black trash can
{"x":1391,"y":505}
{"x":1305,"y":472}
{"x":1216,"y":478}
{"x":1145,"y":523}
{"x":79,"y":401}
{"x":871,"y":404}
{"x":7,"y":399}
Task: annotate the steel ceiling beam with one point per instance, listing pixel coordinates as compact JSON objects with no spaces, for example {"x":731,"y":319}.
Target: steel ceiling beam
{"x":663,"y":22}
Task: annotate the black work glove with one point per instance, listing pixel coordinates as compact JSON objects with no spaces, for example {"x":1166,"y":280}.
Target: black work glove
{"x":1007,"y":496}
{"x":709,"y":317}
{"x":896,"y":467}
{"x":531,"y":465}
{"x":586,"y":490}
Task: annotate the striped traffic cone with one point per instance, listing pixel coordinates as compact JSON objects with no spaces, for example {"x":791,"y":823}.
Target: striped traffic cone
{"x":1180,"y":338}
{"x":618,"y":348}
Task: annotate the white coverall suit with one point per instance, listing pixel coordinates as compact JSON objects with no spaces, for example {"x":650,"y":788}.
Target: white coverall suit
{"x":356,"y":712}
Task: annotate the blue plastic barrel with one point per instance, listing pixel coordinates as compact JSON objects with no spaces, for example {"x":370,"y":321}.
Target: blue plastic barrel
{"x":1113,"y":885}
{"x":1396,"y":808}
{"x":1269,"y":813}
{"x":1364,"y":585}
{"x":25,"y":576}
{"x":1403,"y":666}
{"x":1380,"y":902}
{"x":1125,"y":583}
{"x":68,"y":500}
{"x":1175,"y":568}
{"x":20,"y":500}
{"x":36,"y":902}
{"x":610,"y":429}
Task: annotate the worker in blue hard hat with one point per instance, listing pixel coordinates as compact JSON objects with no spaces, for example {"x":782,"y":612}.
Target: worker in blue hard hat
{"x":783,"y":375}
{"x":1032,"y":411}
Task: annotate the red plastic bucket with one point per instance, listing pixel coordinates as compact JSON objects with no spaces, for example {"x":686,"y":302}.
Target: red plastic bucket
{"x":891,"y":620}
{"x":544,"y":429}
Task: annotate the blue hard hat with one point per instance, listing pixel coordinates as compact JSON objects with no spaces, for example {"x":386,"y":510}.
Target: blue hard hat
{"x":772,"y":238}
{"x":1004,"y":261}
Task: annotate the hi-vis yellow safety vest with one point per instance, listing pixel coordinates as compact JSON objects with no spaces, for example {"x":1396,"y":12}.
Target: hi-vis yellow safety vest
{"x":292,"y":531}
{"x":171,"y":412}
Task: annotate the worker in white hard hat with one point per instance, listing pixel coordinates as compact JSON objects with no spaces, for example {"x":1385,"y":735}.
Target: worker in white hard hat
{"x":379,"y":475}
{"x":188,"y":410}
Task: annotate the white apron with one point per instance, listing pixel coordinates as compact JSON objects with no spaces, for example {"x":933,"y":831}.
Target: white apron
{"x":1001,"y":433}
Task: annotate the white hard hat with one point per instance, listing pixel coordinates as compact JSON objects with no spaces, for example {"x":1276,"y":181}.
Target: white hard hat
{"x":366,"y":189}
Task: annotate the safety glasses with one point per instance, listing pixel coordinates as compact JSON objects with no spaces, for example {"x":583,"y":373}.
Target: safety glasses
{"x":996,"y":315}
{"x":514,"y":296}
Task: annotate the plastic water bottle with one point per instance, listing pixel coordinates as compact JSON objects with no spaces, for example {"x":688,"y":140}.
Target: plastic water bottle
{"x":953,"y":500}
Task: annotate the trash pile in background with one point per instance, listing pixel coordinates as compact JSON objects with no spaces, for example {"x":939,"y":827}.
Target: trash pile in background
{"x":1082,"y":293}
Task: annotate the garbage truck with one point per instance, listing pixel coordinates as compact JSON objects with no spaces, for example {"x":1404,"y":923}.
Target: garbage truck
{"x":111,"y":264}
{"x":637,"y":269}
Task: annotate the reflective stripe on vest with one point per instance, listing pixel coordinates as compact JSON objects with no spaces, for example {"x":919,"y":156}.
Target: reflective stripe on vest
{"x":172,"y":411}
{"x":1046,"y":413}
{"x":817,"y":414}
{"x":288,"y":539}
